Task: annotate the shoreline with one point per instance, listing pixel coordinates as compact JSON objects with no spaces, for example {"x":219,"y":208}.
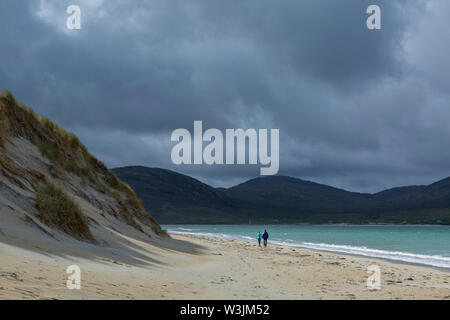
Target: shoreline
{"x":393,"y":271}
{"x":276,"y":243}
{"x":399,"y":262}
{"x":189,"y":267}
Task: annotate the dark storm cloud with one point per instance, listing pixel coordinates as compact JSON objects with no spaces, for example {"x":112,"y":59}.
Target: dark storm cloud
{"x":155,"y":58}
{"x":356,"y":108}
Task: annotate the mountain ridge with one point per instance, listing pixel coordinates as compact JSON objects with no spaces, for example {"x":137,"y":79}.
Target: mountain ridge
{"x":284,"y":199}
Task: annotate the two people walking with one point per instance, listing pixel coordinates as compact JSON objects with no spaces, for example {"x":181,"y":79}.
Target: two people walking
{"x":263,"y":236}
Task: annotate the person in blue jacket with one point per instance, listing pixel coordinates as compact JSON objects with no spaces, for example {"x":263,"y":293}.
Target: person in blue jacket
{"x":265,"y":237}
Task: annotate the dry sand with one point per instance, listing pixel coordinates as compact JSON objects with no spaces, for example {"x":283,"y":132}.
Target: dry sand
{"x":194,"y":267}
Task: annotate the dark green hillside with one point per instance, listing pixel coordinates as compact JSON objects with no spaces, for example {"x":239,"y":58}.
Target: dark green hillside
{"x":176,"y":198}
{"x":170,"y":195}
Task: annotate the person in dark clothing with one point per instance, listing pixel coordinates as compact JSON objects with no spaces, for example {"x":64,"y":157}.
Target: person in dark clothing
{"x":265,"y":237}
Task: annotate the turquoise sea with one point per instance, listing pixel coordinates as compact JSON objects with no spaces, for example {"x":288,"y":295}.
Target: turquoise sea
{"x":427,"y":245}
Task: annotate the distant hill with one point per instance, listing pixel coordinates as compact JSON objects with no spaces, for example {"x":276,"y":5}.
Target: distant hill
{"x":169,"y":195}
{"x":435,"y":195}
{"x":292,"y":194}
{"x":177,"y":198}
{"x":400,"y":193}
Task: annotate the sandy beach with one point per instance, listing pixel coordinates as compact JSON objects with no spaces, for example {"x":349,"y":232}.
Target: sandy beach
{"x":197,"y":267}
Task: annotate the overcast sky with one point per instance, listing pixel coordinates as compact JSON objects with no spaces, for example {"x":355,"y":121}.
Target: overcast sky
{"x":357,"y":109}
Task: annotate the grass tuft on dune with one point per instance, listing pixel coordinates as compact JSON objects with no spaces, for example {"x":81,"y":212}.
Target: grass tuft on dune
{"x":58,"y":210}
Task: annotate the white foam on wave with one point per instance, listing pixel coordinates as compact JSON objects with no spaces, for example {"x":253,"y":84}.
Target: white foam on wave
{"x":185,"y":229}
{"x":429,"y":260}
{"x":208,"y":234}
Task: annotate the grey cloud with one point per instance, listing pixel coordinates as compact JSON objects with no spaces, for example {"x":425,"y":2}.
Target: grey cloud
{"x":355,"y":108}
